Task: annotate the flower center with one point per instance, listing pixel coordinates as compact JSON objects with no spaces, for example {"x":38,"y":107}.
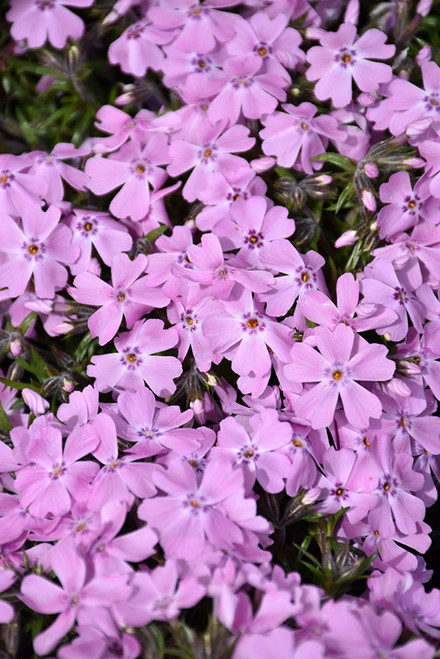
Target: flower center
{"x":114,"y":465}
{"x":33,"y":249}
{"x":3,"y":179}
{"x":262,"y":51}
{"x":305,"y":276}
{"x":403,"y":422}
{"x":223,"y":272}
{"x":201,"y":64}
{"x":131,"y":357}
{"x":412,"y":204}
{"x":189,"y":320}
{"x":121,"y":296}
{"x":337,"y":375}
{"x":140,"y":168}
{"x":252,"y":323}
{"x":88,"y":226}
{"x":346,"y":58}
{"x":304,"y":126}
{"x":207,"y":153}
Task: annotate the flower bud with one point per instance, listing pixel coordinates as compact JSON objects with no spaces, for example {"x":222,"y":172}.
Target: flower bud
{"x":36,"y":403}
{"x":371,"y":170}
{"x":368,"y":200}
{"x":424,"y":55}
{"x":16,"y":346}
{"x":260,"y":165}
{"x":347,"y":238}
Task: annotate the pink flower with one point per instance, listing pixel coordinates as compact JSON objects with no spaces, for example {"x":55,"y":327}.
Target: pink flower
{"x":136,"y":362}
{"x":20,"y":191}
{"x":340,"y":58}
{"x":189,"y":514}
{"x":126,"y":297}
{"x":52,"y":168}
{"x":77,"y":595}
{"x":135,"y":167}
{"x":295,"y":136}
{"x":208,"y":154}
{"x":40,"y":20}
{"x":245,"y":92}
{"x":256,"y":452}
{"x":154,"y":428}
{"x":341,"y":361}
{"x":138,"y":48}
{"x":39,"y":249}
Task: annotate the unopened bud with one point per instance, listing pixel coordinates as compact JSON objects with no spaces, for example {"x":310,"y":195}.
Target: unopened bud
{"x":371,"y":170}
{"x":68,"y":386}
{"x":415,"y":163}
{"x":368,"y":200}
{"x":260,"y":165}
{"x":347,"y":238}
{"x":424,"y":7}
{"x":36,"y":403}
{"x":352,"y":12}
{"x":16,"y":346}
{"x":323,"y":179}
{"x":366,"y":99}
{"x":424,"y":55}
{"x":398,"y":387}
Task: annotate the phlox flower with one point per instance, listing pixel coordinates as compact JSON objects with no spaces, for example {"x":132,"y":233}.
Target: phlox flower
{"x":348,"y":481}
{"x":40,"y":20}
{"x":404,"y":205}
{"x":201,"y":25}
{"x":77,"y":595}
{"x":181,"y":68}
{"x":111,"y":553}
{"x":407,"y":103}
{"x":154,"y":429}
{"x":217,"y":275}
{"x":138,"y":48}
{"x":135,"y":168}
{"x":340,"y":58}
{"x":318,"y":307}
{"x":189,"y":515}
{"x":245,"y":91}
{"x":254,"y":226}
{"x":136,"y":362}
{"x":20,"y":192}
{"x":56,"y":477}
{"x":51,"y":167}
{"x":187,"y":312}
{"x":159,"y":595}
{"x":127,"y":296}
{"x":256,"y":453}
{"x":398,"y":505}
{"x":220,"y":198}
{"x":92,"y":228}
{"x":341,"y":362}
{"x":382,"y":285}
{"x":40,"y":248}
{"x":302,"y":274}
{"x":420,"y":354}
{"x":296,"y":135}
{"x":121,"y":478}
{"x":208,"y":154}
{"x":269,"y":41}
{"x":247,"y":337}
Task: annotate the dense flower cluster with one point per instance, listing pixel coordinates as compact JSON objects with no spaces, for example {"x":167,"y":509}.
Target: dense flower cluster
{"x":222,"y":392}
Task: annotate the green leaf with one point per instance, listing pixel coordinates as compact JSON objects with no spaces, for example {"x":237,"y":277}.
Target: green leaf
{"x":343,"y":162}
{"x":5,"y":424}
{"x":13,"y":384}
{"x":155,"y":233}
{"x":344,"y":198}
{"x":27,"y":322}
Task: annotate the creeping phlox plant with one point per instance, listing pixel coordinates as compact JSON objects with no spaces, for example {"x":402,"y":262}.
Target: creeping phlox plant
{"x":220,"y":329}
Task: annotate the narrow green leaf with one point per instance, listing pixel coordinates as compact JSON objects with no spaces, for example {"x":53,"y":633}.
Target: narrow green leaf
{"x":343,"y":162}
{"x":19,"y":385}
{"x":5,"y":424}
